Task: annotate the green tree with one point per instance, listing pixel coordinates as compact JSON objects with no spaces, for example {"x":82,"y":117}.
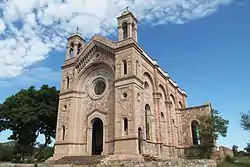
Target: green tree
{"x":211,"y":126}
{"x":6,"y":151}
{"x":28,"y":114}
{"x":247,"y":148}
{"x":235,"y":150}
{"x":45,"y":153}
{"x":245,"y":121}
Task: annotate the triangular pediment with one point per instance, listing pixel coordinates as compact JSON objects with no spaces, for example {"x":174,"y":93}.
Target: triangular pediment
{"x":98,"y":49}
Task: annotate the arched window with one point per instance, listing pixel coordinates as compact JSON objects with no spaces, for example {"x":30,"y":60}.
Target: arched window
{"x":137,"y":67}
{"x":67,"y":82}
{"x":125,"y":70}
{"x":125,"y":30}
{"x":71,"y":50}
{"x":147,"y":113}
{"x":195,"y":133}
{"x":125,"y":125}
{"x":79,"y":48}
{"x":180,"y":104}
{"x":163,"y":132}
{"x":63,"y":133}
{"x":162,"y":116}
{"x":172,"y":100}
{"x":160,"y":96}
{"x":146,"y":85}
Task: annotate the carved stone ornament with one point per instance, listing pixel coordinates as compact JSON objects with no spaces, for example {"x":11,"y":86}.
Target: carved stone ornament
{"x":94,"y":56}
{"x":65,"y":106}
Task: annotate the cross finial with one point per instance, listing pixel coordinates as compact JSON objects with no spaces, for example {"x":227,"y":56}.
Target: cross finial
{"x":126,"y":9}
{"x":77,"y":30}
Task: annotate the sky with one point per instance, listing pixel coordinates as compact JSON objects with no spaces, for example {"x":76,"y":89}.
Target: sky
{"x":204,"y":45}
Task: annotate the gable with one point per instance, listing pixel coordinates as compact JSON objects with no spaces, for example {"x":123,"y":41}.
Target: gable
{"x":96,"y":51}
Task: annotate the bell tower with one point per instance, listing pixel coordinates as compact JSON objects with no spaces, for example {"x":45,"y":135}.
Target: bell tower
{"x":75,"y":45}
{"x":127,"y":26}
{"x":128,"y":88}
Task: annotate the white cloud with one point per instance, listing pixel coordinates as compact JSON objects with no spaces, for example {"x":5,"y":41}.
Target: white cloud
{"x":2,"y":26}
{"x":30,"y":29}
{"x":32,"y":76}
{"x":36,"y":76}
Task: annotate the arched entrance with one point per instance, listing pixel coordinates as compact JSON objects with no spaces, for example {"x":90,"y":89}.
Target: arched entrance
{"x":97,"y":137}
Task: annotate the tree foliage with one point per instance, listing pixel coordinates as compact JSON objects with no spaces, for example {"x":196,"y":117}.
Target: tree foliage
{"x":211,"y":126}
{"x":247,"y":148}
{"x":6,"y":151}
{"x":44,"y":153}
{"x":30,"y":113}
{"x":235,"y":150}
{"x":245,"y":121}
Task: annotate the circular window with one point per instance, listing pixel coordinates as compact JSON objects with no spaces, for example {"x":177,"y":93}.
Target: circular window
{"x":100,"y":87}
{"x":125,"y":94}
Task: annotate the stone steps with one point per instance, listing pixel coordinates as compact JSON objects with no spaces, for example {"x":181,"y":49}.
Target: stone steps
{"x":80,"y":160}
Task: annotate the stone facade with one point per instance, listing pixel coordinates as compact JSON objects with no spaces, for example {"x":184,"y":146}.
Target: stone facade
{"x":115,"y":99}
{"x":222,"y":153}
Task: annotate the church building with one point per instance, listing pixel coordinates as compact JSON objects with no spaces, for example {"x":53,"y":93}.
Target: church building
{"x":116,"y":100}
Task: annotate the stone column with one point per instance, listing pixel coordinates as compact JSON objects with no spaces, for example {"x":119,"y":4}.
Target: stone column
{"x":105,"y":145}
{"x":130,"y":31}
{"x":170,"y":127}
{"x":75,"y":49}
{"x":120,"y":33}
{"x":68,"y":52}
{"x":157,"y":113}
{"x":157,"y":119}
{"x":135,"y":33}
{"x":89,"y":140}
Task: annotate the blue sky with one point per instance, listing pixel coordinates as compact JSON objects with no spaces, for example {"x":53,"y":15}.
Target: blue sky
{"x":207,"y":50}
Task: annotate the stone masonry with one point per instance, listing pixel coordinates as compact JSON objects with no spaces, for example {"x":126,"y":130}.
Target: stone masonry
{"x":116,"y":100}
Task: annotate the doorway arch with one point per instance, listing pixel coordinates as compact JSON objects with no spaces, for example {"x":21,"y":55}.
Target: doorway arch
{"x":97,"y":137}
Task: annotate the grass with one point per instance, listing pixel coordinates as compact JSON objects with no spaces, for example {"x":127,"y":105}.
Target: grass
{"x":239,"y":162}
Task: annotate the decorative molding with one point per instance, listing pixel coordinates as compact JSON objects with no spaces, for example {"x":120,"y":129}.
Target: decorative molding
{"x":90,"y":55}
{"x":124,"y":104}
{"x":99,"y":111}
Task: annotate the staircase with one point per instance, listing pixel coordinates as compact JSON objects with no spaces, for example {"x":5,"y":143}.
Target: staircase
{"x":80,"y":160}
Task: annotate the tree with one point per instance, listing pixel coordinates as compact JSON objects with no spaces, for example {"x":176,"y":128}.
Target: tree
{"x":211,"y":126}
{"x":6,"y":151}
{"x":235,"y":150}
{"x":245,"y":121}
{"x":28,"y":114}
{"x":247,"y":148}
{"x":45,"y":153}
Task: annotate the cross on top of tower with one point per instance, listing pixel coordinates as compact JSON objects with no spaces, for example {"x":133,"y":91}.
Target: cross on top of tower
{"x":126,"y":9}
{"x":77,"y":30}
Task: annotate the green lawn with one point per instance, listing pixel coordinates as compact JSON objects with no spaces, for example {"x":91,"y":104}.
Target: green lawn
{"x":242,"y":162}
